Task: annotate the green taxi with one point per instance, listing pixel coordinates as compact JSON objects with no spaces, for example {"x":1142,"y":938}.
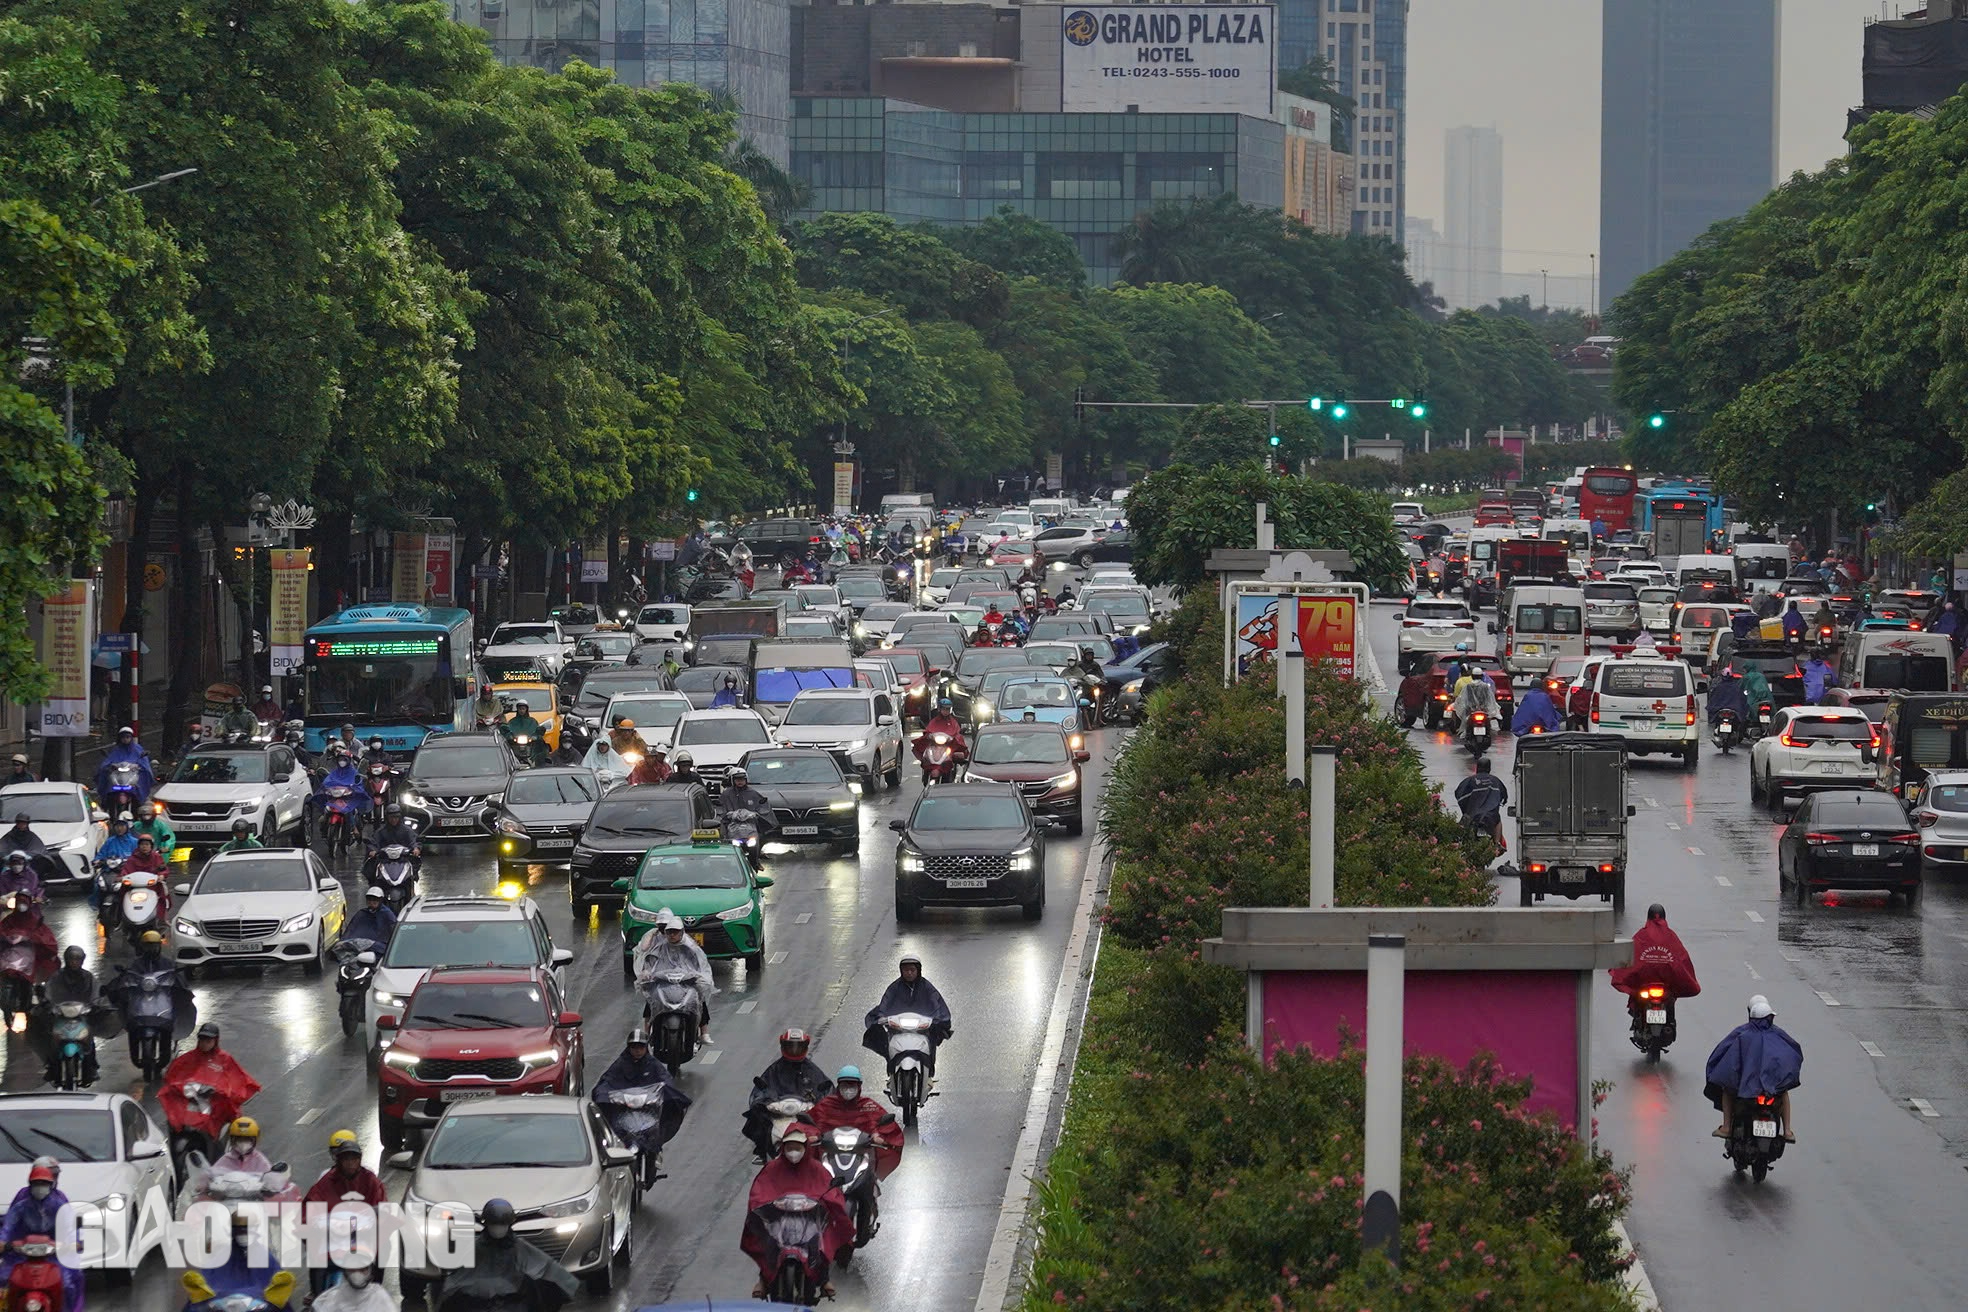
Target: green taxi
{"x":710,"y":885}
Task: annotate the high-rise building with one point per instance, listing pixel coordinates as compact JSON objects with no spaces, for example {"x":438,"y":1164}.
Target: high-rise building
{"x":1365,"y":46}
{"x":1687,"y":125}
{"x":1424,"y":248}
{"x":1318,"y":178}
{"x":1914,"y":62}
{"x":1472,"y":218}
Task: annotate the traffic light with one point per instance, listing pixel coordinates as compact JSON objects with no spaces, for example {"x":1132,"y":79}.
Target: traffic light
{"x":1316,"y":403}
{"x":1275,"y":439}
{"x":1657,"y":420}
{"x":1340,"y":409}
{"x":1419,"y":407}
{"x":691,"y":495}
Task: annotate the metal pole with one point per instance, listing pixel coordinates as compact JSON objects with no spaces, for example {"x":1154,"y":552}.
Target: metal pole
{"x":1266,"y":531}
{"x":1386,"y":978}
{"x":1320,"y":799}
{"x":1291,"y":685}
{"x":136,"y":682}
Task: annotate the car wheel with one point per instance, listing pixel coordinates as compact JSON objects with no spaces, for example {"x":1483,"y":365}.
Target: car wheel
{"x":894,"y":776}
{"x":307,"y":824}
{"x":1689,"y":755}
{"x":755,"y":959}
{"x":413,"y":1288}
{"x":391,"y":1133}
{"x":907,"y":909}
{"x":851,"y":847}
{"x":1083,"y":559}
{"x":578,"y":904}
{"x":312,"y":966}
{"x":1755,"y":789}
{"x":1035,"y":909}
{"x":269,"y":830}
{"x":1076,"y":825}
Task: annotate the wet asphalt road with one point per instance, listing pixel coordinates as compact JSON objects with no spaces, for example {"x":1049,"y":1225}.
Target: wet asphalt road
{"x":1864,"y":1210}
{"x":833,"y":945}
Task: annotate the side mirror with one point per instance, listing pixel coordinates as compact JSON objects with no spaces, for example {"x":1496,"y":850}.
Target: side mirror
{"x":764,"y":881}
{"x":400,"y":1161}
{"x":1511,"y":810}
{"x":884,"y":720}
{"x":328,"y":885}
{"x":621,"y":885}
{"x":899,"y":826}
{"x":181,"y":890}
{"x":460,"y":688}
{"x":144,"y":1150}
{"x":1491,"y":626}
{"x":97,"y":814}
{"x":386,"y":1021}
{"x":1082,"y":754}
{"x":617,"y":1157}
{"x":561,"y":956}
{"x":568,"y":1020}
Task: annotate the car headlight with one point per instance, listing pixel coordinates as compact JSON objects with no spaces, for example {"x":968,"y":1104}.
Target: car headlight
{"x":295,"y":924}
{"x":398,"y":1060}
{"x":183,"y":926}
{"x":981,"y":707}
{"x":640,"y":915}
{"x":79,"y":843}
{"x":1067,"y":780}
{"x":1023,"y":859}
{"x":383,"y":997}
{"x":507,"y":825}
{"x":411,"y":799}
{"x":859,"y":631}
{"x":540,"y":1060}
{"x":574,"y":1206}
{"x":842,"y":806}
{"x":738,"y":912}
{"x":1133,"y":685}
{"x":855,"y":745}
{"x":911,"y":861}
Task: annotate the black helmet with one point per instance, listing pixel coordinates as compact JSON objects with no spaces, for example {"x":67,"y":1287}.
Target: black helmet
{"x":1482,"y":765}
{"x":1657,"y":912}
{"x":393,"y":810}
{"x":376,"y":743}
{"x":72,"y":956}
{"x":240,"y":826}
{"x":496,"y":1218}
{"x":209,"y":1030}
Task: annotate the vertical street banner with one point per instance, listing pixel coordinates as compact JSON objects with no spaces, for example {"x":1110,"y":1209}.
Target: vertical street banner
{"x":287,"y":607}
{"x":439,"y":572}
{"x":1325,"y":629}
{"x":1055,"y":474}
{"x":407,"y":570}
{"x":594,"y":561}
{"x":843,"y":487}
{"x":67,"y":642}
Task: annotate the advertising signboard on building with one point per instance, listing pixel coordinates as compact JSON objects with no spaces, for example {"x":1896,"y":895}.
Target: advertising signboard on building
{"x":407,"y":570}
{"x":1168,"y":58}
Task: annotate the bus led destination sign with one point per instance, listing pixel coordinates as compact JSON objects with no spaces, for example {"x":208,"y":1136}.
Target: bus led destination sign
{"x":358,"y":648}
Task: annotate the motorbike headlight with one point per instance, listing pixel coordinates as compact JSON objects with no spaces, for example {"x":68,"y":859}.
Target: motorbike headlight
{"x":738,"y":912}
{"x":1067,"y":780}
{"x":911,"y":861}
{"x":640,"y":915}
{"x":295,"y":924}
{"x":842,"y":806}
{"x":981,"y":708}
{"x":574,"y":1206}
{"x":859,"y":630}
{"x":398,"y":1060}
{"x":1023,"y":859}
{"x":183,"y":926}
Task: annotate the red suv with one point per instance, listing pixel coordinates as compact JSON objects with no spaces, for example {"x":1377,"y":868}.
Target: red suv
{"x":474,"y":1032}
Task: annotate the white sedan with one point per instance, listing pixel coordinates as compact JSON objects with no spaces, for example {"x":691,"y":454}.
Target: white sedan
{"x":262,"y":905}
{"x":63,"y":816}
{"x":113,"y":1157}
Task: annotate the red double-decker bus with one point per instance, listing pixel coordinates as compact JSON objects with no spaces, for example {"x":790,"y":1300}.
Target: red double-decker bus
{"x":1606,"y":496}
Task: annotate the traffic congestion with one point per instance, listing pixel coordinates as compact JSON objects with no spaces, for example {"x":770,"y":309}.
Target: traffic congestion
{"x":1753,"y":751}
{"x":680,"y":947}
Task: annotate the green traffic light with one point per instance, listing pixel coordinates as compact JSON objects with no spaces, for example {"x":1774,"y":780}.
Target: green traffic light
{"x":1275,"y":439}
{"x":1316,"y":403}
{"x":1419,"y":409}
{"x":1657,"y":421}
{"x":1339,"y":410}
{"x":691,"y":495}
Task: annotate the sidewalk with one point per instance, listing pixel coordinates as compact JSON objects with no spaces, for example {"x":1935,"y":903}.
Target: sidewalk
{"x":102,"y":734}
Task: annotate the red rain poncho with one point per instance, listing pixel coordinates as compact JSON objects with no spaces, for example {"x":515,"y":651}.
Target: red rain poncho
{"x":1658,"y":958}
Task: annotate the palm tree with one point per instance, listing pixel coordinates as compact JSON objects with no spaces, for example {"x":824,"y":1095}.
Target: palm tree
{"x":781,"y":195}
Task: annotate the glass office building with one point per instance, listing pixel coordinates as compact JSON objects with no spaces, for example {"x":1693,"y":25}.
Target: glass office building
{"x":740,"y":46}
{"x":1087,"y":175}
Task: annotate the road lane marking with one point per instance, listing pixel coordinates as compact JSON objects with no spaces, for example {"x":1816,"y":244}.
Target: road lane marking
{"x":1696,"y":851}
{"x":1651,"y":802}
{"x":1756,"y":916}
{"x":307,"y":1117}
{"x":1787,"y":956}
{"x":802,"y":917}
{"x":775,"y":958}
{"x":747,"y":1008}
{"x":708,"y":1057}
{"x":1924,"y":1107}
{"x":1722,"y":881}
{"x":1870,"y":1049}
{"x":1825,"y":998}
{"x":1752,"y":971}
{"x":1672,"y":825}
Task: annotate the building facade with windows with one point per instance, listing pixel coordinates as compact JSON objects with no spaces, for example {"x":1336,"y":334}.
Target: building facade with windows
{"x":1472,"y":218}
{"x":1087,"y":175}
{"x":1365,"y":46}
{"x":1318,"y":178}
{"x":741,"y":47}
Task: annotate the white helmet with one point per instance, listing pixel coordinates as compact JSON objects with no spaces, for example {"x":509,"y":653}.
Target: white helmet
{"x":1760,"y":1008}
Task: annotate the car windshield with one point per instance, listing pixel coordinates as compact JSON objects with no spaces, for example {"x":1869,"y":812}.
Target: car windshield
{"x":1657,"y":596}
{"x":668,"y":615}
{"x":222,"y":768}
{"x":648,"y":712}
{"x":977,"y":660}
{"x":861,"y":588}
{"x":477,"y":1007}
{"x":515,"y":1140}
{"x":252,"y":874}
{"x":814,"y":627}
{"x":908,"y":663}
{"x":1018,"y":748}
{"x":43,"y":808}
{"x":504,"y":635}
{"x":884,"y":612}
{"x":722,"y":729}
{"x":1049,"y":693}
{"x":1951,"y":797}
{"x":1608,"y":592}
{"x":1651,"y":679}
{"x":705,"y":678}
{"x":782,"y":685}
{"x":595,"y":693}
{"x":830,"y":710}
{"x":941,"y":811}
{"x":1438,"y":610}
{"x":777,"y":771}
{"x":1912,"y":673}
{"x":644,"y":811}
{"x":67,"y":1134}
{"x":713,"y":867}
{"x":458,"y":762}
{"x":534,"y":789}
{"x":609,"y":644}
{"x":421,"y":944}
{"x":818,"y":594}
{"x":1118,"y":604}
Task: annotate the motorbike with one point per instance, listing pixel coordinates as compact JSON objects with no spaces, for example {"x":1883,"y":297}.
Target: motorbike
{"x":339,"y":820}
{"x":908,"y":1062}
{"x":214,"y":1182}
{"x":151,"y":1002}
{"x":1476,"y":734}
{"x":940,"y":758}
{"x":637,"y":1115}
{"x":1726,"y":731}
{"x":850,"y":1155}
{"x":109,"y":878}
{"x":123,"y":793}
{"x":379,"y":782}
{"x":1755,"y":1139}
{"x":355,"y":966}
{"x":531,"y":751}
{"x":142,"y":903}
{"x":196,"y":1115}
{"x":784,"y":1111}
{"x":673,"y":1017}
{"x":1765,"y":714}
{"x":17,"y":969}
{"x":1653,"y":1023}
{"x":745,"y":830}
{"x":35,"y":1283}
{"x":396,"y":873}
{"x":71,"y":1041}
{"x":793,"y":1226}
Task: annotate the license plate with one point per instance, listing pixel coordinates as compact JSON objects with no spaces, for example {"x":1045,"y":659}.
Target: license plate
{"x":1865,"y":849}
{"x":226,"y":949}
{"x":1833,"y":767}
{"x":554,"y":842}
{"x":464,"y":1095}
{"x":967,"y":881}
{"x":799,"y":831}
{"x":1532,"y":649}
{"x":455,"y":822}
{"x":1657,"y":1015}
{"x":1571,"y":876}
{"x":1763,"y":1129}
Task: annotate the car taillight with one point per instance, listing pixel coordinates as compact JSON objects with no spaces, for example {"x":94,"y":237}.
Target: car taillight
{"x":1465,"y":624}
{"x":1595,"y":708}
{"x":1875,"y":736}
{"x":1927,"y":819}
{"x":1819,"y":840}
{"x":1691,"y":708}
{"x":1789,"y":741}
{"x":1903,"y":838}
{"x":1410,"y":624}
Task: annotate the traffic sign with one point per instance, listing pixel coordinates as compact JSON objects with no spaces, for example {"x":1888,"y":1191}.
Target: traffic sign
{"x":486,"y":573}
{"x":116,"y":642}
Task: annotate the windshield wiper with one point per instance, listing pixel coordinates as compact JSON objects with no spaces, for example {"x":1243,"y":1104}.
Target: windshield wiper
{"x":491,"y":1022}
{"x":74,"y":1152}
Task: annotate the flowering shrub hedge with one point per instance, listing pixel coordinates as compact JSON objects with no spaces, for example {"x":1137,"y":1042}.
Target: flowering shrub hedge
{"x":1192,"y":1176}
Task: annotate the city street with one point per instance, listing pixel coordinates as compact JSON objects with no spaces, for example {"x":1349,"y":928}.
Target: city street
{"x":834,"y":946}
{"x":1861,"y":1210}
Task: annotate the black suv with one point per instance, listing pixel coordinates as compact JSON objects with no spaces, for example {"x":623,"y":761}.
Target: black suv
{"x":975,"y":845}
{"x":456,"y":783}
{"x":623,"y":825}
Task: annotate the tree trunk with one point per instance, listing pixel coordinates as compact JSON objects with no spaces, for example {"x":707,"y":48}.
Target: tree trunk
{"x":136,"y":558}
{"x":335,"y":563}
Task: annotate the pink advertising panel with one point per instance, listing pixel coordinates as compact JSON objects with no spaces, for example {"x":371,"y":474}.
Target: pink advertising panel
{"x":1527,"y":1018}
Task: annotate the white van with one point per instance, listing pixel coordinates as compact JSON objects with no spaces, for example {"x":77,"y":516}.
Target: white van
{"x":1542,"y":623}
{"x":1895,"y":660}
{"x":664,"y":621}
{"x":1649,"y":700}
{"x":1761,"y":566}
{"x":1052,"y":508}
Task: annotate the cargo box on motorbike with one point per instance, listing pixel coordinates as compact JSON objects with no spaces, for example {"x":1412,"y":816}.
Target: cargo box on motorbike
{"x":1571,"y":813}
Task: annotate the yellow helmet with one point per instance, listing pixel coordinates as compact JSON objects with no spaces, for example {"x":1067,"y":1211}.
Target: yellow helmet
{"x":343,"y":1141}
{"x":244,"y":1128}
{"x":151,"y":938}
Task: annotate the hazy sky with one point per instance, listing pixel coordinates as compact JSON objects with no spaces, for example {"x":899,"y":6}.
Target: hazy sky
{"x":1530,"y":69}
